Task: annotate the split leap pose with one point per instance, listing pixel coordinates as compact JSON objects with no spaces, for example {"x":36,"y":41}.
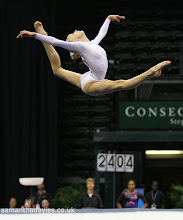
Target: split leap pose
{"x":94,"y":56}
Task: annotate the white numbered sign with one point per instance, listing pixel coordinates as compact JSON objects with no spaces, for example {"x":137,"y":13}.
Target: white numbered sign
{"x":101,"y":162}
{"x":111,"y":162}
{"x":129,"y":163}
{"x":120,"y":162}
{"x":115,"y":162}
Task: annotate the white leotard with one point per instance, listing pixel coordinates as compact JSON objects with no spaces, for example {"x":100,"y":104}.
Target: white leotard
{"x":93,"y":55}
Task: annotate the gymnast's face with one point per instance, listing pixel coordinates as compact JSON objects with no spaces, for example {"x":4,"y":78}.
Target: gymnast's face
{"x":76,"y":36}
{"x":131,"y":185}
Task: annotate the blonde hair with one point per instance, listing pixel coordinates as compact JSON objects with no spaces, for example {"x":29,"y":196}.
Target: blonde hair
{"x":75,"y":56}
{"x":90,"y":180}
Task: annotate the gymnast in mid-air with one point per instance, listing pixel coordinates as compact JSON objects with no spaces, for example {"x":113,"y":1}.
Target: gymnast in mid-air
{"x":94,"y":56}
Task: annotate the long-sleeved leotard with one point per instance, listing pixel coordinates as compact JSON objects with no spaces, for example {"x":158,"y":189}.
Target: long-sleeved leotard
{"x":93,"y":55}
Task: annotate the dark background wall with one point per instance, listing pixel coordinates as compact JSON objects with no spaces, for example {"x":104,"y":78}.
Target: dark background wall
{"x":152,"y":32}
{"x":28,"y":102}
{"x":47,"y":124}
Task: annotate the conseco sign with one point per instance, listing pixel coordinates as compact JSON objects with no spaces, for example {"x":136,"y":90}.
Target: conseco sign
{"x":152,"y":115}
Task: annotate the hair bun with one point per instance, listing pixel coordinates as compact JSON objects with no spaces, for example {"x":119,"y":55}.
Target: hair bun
{"x":74,"y":56}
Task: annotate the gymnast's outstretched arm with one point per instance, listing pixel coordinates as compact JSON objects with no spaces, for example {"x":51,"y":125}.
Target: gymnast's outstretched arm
{"x":55,"y":61}
{"x":71,"y":46}
{"x":103,"y":30}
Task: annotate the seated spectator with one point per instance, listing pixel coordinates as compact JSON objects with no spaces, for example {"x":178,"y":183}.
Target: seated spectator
{"x":129,"y":197}
{"x":29,"y":202}
{"x":45,"y":204}
{"x":12,"y":203}
{"x":41,"y":194}
{"x":89,"y":199}
{"x":155,"y":197}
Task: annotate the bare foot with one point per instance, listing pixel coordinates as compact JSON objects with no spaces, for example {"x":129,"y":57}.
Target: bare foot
{"x":156,"y":70}
{"x":39,"y":28}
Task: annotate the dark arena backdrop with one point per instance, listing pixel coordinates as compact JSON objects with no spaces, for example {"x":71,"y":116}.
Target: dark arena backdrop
{"x":50,"y":128}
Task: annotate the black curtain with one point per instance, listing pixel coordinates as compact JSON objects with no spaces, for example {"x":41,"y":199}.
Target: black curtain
{"x":28,"y":101}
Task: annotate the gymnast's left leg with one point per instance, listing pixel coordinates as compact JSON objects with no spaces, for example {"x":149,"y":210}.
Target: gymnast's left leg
{"x":108,"y":86}
{"x":55,"y":61}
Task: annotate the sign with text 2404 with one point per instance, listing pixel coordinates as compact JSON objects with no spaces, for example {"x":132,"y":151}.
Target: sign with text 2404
{"x":115,"y":162}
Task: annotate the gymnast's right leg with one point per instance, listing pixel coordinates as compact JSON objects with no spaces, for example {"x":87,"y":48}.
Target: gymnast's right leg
{"x":55,"y":62}
{"x":108,"y":86}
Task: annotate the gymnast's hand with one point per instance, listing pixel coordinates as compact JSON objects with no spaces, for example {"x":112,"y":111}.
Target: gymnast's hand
{"x":115,"y":17}
{"x":26,"y":34}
